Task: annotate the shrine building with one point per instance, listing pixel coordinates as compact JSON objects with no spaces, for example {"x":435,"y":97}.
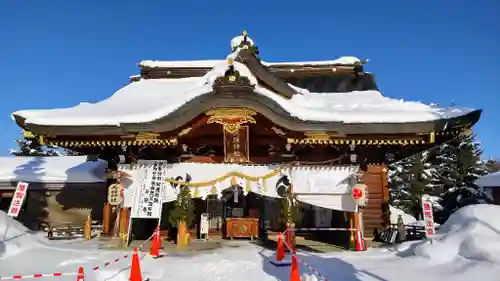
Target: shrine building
{"x":236,"y":126}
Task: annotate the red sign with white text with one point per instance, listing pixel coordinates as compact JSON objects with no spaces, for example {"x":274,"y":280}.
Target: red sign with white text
{"x":428,"y":217}
{"x":18,"y":199}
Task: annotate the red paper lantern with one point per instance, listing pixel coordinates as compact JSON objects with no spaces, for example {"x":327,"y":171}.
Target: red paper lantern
{"x":359,"y":194}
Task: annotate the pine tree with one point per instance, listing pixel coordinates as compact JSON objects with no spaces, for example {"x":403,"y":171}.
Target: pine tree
{"x":459,"y":167}
{"x":409,"y":179}
{"x":32,"y":147}
{"x":183,"y":207}
{"x":290,"y":212}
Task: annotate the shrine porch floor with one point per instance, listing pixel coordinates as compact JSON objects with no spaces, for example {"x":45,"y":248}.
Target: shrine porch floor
{"x":199,"y":245}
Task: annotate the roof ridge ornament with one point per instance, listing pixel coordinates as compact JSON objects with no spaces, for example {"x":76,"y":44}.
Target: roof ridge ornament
{"x":232,"y":81}
{"x":244,"y":42}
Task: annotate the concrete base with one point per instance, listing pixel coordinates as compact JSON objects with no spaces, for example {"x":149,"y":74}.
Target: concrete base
{"x":287,"y":261}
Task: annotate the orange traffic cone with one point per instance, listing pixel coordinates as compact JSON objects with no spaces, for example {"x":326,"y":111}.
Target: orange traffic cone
{"x":155,"y":244}
{"x":280,"y":251}
{"x":135,"y":270}
{"x":359,"y":241}
{"x":158,"y":237}
{"x":81,"y":275}
{"x":295,"y":272}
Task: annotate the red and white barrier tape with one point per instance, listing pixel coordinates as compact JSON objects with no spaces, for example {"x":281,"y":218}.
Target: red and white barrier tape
{"x":308,"y":266}
{"x":58,"y":274}
{"x":106,"y":264}
{"x":312,"y":270}
{"x":321,"y":229}
{"x":55,"y":274}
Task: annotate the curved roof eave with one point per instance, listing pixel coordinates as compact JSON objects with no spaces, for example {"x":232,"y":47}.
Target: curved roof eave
{"x":263,"y":105}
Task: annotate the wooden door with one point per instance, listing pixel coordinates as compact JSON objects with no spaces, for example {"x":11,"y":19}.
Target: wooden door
{"x":214,"y":208}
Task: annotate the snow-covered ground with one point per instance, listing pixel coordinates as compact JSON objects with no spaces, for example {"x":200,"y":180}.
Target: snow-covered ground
{"x":467,"y":247}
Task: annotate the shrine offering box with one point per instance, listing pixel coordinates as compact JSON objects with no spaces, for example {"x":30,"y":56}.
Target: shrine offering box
{"x":242,"y":228}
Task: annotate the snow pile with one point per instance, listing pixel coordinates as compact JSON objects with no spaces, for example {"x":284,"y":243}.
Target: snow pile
{"x":472,"y":233}
{"x":407,"y":219}
{"x":14,"y":237}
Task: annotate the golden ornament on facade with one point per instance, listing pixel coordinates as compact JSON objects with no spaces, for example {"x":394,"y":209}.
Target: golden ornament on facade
{"x":142,"y":140}
{"x":278,"y":131}
{"x":185,"y":131}
{"x":28,"y":135}
{"x":146,"y":136}
{"x":355,"y":141}
{"x":466,"y":132}
{"x":231,"y":118}
{"x":322,"y":135}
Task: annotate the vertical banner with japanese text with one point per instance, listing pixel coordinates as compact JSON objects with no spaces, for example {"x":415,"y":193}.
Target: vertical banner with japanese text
{"x":147,"y":199}
{"x":428,"y":217}
{"x":18,"y":199}
{"x":236,"y":145}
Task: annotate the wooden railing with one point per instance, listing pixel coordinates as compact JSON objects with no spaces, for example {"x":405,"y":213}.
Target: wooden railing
{"x":69,"y":230}
{"x":412,"y":232}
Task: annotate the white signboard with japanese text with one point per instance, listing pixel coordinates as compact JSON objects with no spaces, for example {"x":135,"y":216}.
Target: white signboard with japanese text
{"x":428,"y":217}
{"x":147,"y":198}
{"x":114,"y":195}
{"x":18,"y":199}
{"x":204,"y":223}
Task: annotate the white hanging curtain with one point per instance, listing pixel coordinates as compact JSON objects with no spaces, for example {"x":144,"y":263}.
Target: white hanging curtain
{"x":322,"y":186}
{"x":325,"y":186}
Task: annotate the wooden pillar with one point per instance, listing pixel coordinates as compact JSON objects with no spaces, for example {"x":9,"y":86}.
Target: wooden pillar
{"x":352,"y":241}
{"x":356,"y":220}
{"x":123,"y":226}
{"x":106,"y":219}
{"x":386,"y":215}
{"x":115,"y":213}
{"x":87,"y":228}
{"x":124,"y":221}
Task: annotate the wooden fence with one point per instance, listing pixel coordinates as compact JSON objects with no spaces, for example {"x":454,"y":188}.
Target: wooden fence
{"x":413,"y":232}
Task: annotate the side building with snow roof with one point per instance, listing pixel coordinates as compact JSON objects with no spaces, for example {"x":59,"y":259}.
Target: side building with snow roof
{"x":237,"y":125}
{"x":62,"y":189}
{"x":491,"y":184}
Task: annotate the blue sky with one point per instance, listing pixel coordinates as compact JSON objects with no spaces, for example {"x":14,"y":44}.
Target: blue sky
{"x":60,"y":53}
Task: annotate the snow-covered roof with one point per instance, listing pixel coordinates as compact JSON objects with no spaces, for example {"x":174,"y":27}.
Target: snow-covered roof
{"x":235,"y":43}
{"x":395,"y":213}
{"x":490,"y":180}
{"x":212,"y":63}
{"x":53,"y":169}
{"x":151,"y":99}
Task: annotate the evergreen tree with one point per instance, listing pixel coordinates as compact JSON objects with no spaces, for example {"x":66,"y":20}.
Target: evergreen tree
{"x":290,"y":211}
{"x":183,"y":208}
{"x":459,"y":165}
{"x":409,"y":179}
{"x":32,"y":147}
{"x":28,"y":147}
